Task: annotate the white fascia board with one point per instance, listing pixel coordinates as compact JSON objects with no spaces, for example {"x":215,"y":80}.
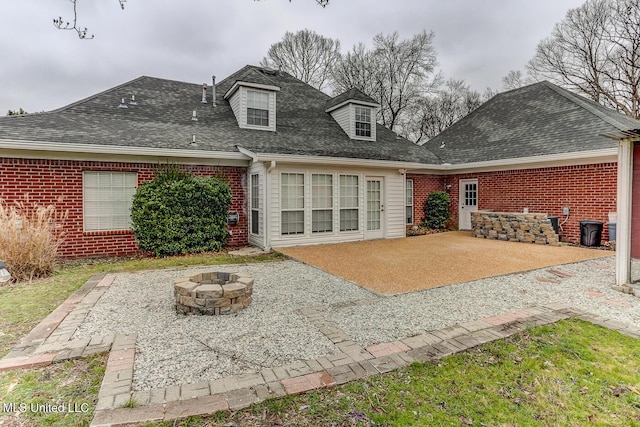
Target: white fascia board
{"x":117,"y":150}
{"x":352,"y":101}
{"x":335,"y":161}
{"x":606,"y":155}
{"x":237,"y":85}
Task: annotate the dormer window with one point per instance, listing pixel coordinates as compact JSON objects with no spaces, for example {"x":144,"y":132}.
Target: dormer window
{"x":363,"y":121}
{"x":257,"y":108}
{"x":254,"y":105}
{"x":355,"y":112}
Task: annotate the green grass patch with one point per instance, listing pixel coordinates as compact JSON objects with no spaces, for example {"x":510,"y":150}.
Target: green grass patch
{"x":571,"y":373}
{"x":63,"y":394}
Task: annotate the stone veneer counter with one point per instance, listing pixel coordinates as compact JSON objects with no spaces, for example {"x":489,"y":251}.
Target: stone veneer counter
{"x":514,"y":227}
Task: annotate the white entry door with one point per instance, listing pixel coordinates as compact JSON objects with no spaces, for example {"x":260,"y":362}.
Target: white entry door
{"x":374,"y":208}
{"x":468,"y":202}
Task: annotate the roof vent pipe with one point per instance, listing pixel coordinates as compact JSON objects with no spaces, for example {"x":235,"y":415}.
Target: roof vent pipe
{"x":213,"y":89}
{"x":204,"y":93}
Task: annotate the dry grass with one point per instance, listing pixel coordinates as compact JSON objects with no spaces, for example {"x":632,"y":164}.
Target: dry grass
{"x":30,"y":235}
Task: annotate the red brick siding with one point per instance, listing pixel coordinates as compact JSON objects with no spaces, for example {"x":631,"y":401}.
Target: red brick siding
{"x":423,"y":185}
{"x":635,"y":204}
{"x":588,"y":190}
{"x":59,"y":182}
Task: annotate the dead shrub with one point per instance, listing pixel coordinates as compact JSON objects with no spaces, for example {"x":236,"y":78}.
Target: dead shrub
{"x":30,"y":235}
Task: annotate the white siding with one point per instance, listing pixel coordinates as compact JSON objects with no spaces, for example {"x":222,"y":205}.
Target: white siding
{"x":393,"y":205}
{"x":235,"y":105}
{"x":342,"y":117}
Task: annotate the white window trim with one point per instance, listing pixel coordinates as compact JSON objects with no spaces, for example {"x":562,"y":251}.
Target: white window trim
{"x":84,"y":201}
{"x":254,"y":197}
{"x":413,"y":219}
{"x":323,"y":209}
{"x":372,"y":124}
{"x":271,"y":111}
{"x":357,"y":207}
{"x":303,"y":209}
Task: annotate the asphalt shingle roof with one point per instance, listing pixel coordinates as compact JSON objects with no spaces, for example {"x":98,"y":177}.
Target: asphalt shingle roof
{"x":534,"y":120}
{"x":162,"y":119}
{"x":351,"y":94}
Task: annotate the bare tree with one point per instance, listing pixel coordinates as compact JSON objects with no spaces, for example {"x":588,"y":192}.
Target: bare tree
{"x":513,"y":80}
{"x":305,"y":55}
{"x":434,"y":114}
{"x":595,"y":51}
{"x":82,"y":32}
{"x":396,"y":73}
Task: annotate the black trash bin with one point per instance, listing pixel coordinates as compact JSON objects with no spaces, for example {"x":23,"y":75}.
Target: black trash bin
{"x":554,"y":224}
{"x":590,"y":233}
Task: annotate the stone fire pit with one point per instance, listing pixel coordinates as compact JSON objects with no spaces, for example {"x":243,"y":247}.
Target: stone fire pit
{"x":213,"y":293}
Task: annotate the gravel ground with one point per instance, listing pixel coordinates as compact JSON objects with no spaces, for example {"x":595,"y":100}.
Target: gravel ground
{"x":174,"y":349}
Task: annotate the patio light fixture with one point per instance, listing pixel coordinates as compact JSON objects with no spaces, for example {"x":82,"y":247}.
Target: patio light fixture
{"x":4,"y":274}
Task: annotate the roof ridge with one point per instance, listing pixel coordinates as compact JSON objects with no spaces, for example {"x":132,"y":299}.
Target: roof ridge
{"x":587,"y":104}
{"x":112,"y":89}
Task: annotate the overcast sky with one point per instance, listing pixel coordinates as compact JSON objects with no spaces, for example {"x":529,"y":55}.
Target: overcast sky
{"x":42,"y":68}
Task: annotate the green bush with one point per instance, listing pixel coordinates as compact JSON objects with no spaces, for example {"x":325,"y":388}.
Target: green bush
{"x":177,"y":213}
{"x":436,"y":210}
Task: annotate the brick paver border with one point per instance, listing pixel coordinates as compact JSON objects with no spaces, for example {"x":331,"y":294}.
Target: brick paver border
{"x":50,"y":342}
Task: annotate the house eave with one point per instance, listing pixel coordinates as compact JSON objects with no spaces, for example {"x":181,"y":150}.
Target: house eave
{"x":115,"y":151}
{"x":351,"y":101}
{"x":605,"y":155}
{"x":333,"y":161}
{"x":237,"y":85}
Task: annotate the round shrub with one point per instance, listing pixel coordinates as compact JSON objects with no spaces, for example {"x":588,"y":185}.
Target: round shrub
{"x":436,"y":210}
{"x":177,"y":213}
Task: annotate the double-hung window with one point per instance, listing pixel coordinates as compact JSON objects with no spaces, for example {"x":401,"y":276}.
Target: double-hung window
{"x":107,"y":200}
{"x":321,"y":203}
{"x":363,"y":121}
{"x":255,"y":204}
{"x":409,"y":201}
{"x":292,"y":203}
{"x":257,"y":108}
{"x":349,"y":204}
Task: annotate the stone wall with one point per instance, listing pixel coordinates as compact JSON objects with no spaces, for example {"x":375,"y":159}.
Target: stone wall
{"x":514,"y":227}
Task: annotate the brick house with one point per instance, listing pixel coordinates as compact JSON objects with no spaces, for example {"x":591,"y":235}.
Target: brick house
{"x":540,"y":148}
{"x":306,"y":168}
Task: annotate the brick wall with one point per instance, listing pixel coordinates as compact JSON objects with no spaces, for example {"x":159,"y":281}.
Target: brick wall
{"x":588,"y":190}
{"x":423,"y":185}
{"x":59,"y":182}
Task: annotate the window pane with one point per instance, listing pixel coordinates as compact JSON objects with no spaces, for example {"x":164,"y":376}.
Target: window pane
{"x":255,"y":222}
{"x":348,"y":219}
{"x":322,"y":221}
{"x":292,"y":203}
{"x":107,"y":200}
{"x":409,"y":201}
{"x":255,"y":204}
{"x":321,"y":191}
{"x":363,"y":121}
{"x":292,"y":222}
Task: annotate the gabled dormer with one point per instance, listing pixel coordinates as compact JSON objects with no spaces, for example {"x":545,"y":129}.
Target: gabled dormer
{"x":355,"y":112}
{"x":253,"y":101}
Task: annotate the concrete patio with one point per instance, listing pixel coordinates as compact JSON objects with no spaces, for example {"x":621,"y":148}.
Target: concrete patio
{"x":410,"y":264}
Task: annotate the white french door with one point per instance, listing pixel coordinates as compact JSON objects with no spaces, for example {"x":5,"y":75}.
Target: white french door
{"x":374,"y":208}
